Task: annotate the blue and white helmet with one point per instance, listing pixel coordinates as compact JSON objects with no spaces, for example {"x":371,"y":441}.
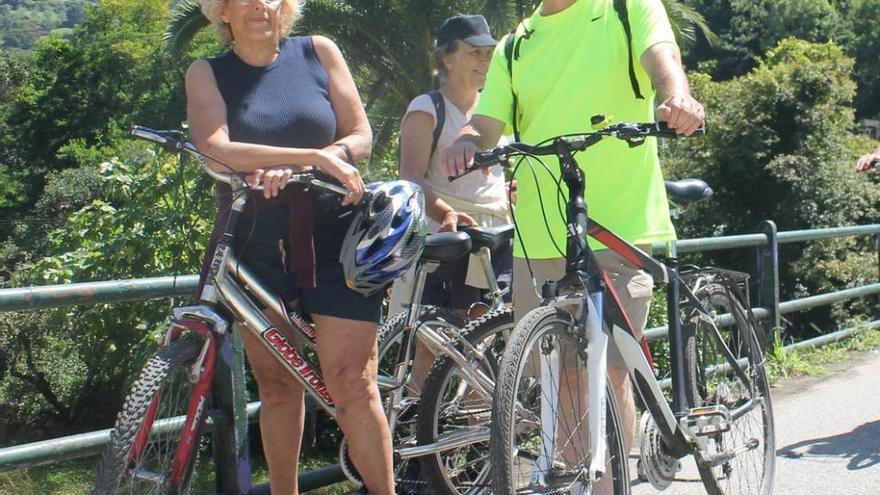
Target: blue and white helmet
{"x":385,"y":238}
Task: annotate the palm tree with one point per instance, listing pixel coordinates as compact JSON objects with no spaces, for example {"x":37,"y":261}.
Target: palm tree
{"x":389,"y":42}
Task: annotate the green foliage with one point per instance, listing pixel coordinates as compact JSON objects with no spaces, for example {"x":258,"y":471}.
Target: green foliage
{"x":747,"y":29}
{"x":110,"y":73}
{"x":22,"y":22}
{"x":865,"y":47}
{"x":779,"y":146}
{"x":141,"y":215}
{"x":112,"y":237}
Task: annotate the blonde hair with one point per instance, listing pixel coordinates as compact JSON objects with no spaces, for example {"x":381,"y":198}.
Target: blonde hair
{"x":290,"y":12}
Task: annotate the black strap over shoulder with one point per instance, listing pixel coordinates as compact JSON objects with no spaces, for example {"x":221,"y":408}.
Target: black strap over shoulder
{"x":440,"y":113}
{"x":623,"y":14}
{"x":510,"y":45}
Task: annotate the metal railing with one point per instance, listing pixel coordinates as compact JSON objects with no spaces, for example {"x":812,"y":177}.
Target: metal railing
{"x":769,"y":310}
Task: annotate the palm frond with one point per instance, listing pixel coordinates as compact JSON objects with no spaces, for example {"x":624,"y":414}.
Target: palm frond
{"x":185,"y":22}
{"x":686,"y":21}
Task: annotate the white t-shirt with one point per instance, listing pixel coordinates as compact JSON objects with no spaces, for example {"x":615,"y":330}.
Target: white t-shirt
{"x":475,"y":187}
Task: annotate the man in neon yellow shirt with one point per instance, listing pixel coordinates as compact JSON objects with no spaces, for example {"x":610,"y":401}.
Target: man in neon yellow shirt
{"x":571,"y":60}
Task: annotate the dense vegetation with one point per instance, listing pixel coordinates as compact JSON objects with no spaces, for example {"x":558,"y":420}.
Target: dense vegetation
{"x":23,"y":22}
{"x":783,"y":86}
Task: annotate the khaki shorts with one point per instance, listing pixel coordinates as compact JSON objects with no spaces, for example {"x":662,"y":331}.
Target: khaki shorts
{"x":634,"y":287}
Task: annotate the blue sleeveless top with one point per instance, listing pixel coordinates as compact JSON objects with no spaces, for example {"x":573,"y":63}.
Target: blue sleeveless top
{"x":285,"y":103}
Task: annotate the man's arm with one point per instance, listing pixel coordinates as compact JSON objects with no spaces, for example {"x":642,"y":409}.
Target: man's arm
{"x":677,"y":108}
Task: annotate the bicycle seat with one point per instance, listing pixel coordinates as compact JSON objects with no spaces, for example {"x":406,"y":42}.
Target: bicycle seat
{"x":490,"y":237}
{"x":444,"y":247}
{"x":687,"y":191}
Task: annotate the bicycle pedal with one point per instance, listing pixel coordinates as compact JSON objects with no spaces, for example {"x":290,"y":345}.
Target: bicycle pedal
{"x":709,"y":420}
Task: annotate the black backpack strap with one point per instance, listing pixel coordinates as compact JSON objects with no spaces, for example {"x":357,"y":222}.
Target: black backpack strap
{"x":623,"y":14}
{"x":440,"y":114}
{"x":510,"y":45}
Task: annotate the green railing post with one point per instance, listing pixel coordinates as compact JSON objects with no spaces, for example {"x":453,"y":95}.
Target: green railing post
{"x":768,"y":280}
{"x":877,"y":240}
{"x":231,"y":455}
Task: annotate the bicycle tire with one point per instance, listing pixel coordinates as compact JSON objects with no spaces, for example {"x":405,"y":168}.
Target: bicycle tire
{"x":704,"y":388}
{"x":407,"y":479}
{"x":156,"y":376}
{"x":508,"y":473}
{"x":464,"y":471}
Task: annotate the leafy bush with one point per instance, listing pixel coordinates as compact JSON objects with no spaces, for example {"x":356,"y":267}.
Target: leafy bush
{"x":779,"y":146}
{"x":144,"y":215}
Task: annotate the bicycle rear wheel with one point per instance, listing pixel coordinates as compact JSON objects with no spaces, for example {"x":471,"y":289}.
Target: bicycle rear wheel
{"x":540,"y":430}
{"x":730,"y":403}
{"x":451,"y":408}
{"x":142,"y":454}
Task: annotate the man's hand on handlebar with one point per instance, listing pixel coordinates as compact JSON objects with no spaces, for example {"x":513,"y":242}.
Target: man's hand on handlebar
{"x":683,"y":114}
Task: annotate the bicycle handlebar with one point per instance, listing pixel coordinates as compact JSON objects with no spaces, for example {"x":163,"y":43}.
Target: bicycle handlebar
{"x":634,"y":134}
{"x":174,"y":141}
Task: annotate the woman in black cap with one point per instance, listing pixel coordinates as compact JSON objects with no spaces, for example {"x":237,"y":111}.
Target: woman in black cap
{"x":431,"y":123}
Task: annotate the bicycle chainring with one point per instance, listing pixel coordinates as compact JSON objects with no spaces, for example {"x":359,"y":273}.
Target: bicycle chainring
{"x":655,"y":465}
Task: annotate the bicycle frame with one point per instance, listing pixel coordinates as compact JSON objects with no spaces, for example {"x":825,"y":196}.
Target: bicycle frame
{"x":590,"y":289}
{"x":231,"y":284}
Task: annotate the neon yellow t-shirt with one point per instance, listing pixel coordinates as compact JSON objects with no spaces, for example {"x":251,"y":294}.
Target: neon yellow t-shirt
{"x":574,"y":65}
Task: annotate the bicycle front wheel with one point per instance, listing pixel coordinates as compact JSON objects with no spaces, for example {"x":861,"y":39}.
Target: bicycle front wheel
{"x":142,"y":457}
{"x":729,"y":396}
{"x":540,"y":429}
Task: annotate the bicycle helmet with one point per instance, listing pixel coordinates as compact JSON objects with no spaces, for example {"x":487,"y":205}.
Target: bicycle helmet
{"x":386,"y":236}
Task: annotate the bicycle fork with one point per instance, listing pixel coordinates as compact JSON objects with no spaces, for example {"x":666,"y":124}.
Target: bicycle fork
{"x":590,"y":322}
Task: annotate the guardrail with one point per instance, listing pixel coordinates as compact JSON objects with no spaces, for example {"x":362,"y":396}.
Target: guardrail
{"x":769,"y":310}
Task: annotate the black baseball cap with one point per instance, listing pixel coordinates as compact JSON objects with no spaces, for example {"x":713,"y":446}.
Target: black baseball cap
{"x":472,"y":29}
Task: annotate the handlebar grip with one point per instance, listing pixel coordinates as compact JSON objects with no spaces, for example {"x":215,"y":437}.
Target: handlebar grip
{"x":482,"y":159}
{"x":172,"y":141}
{"x":664,"y":131}
{"x":486,"y":159}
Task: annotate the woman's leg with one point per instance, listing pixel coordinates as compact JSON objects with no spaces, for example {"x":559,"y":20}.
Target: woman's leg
{"x":347,"y":353}
{"x":281,"y":416}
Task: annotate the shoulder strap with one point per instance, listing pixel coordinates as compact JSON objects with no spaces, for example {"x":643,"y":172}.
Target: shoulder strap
{"x":509,"y":48}
{"x":623,"y":14}
{"x":440,"y":113}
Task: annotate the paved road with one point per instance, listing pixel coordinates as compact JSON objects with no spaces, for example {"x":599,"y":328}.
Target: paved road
{"x":827,"y":435}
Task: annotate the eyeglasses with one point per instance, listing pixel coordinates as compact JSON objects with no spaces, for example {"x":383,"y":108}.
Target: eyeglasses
{"x":271,"y":4}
